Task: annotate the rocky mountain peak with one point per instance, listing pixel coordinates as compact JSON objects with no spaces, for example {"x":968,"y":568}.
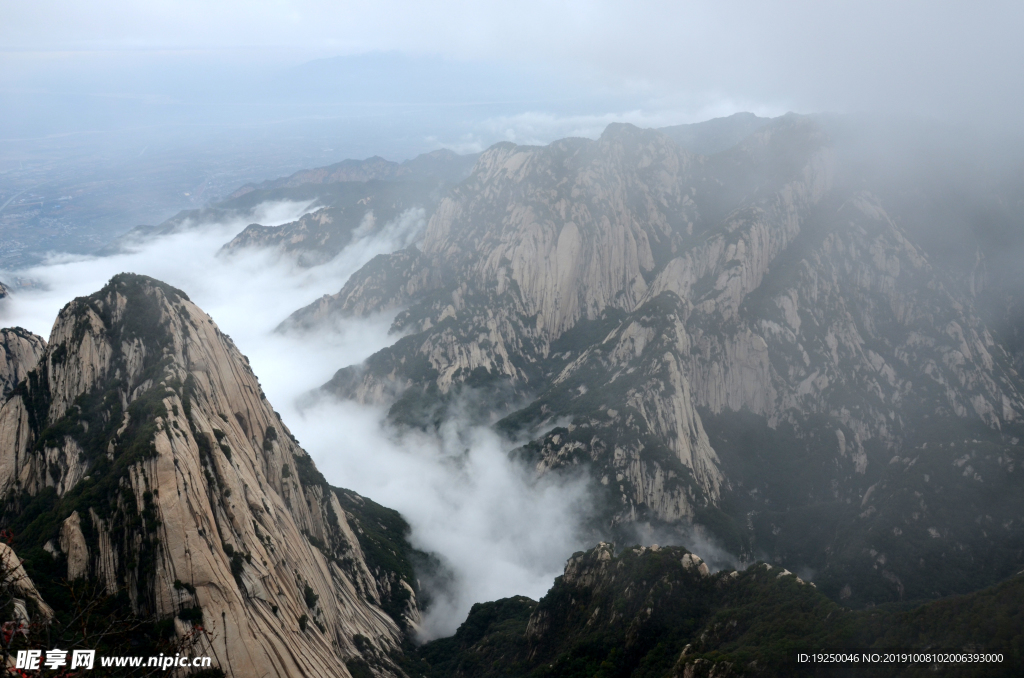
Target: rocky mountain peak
{"x":643,"y":307}
{"x":156,"y":467}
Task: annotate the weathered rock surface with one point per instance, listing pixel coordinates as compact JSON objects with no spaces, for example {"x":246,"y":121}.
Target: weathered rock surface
{"x":630,"y":292}
{"x":791,"y":295}
{"x":19,"y":588}
{"x":19,"y":352}
{"x":162,"y":471}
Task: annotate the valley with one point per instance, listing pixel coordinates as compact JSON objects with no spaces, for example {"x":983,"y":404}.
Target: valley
{"x":760,"y":391}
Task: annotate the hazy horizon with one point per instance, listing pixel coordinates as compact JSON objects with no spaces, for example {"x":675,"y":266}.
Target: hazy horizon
{"x":137,"y":112}
{"x":117,"y":114}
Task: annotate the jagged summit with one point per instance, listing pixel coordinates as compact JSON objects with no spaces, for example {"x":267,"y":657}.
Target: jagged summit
{"x":651,"y":314}
{"x":141,"y":453}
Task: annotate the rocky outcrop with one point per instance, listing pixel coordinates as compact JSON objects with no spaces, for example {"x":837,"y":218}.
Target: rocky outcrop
{"x":660,"y":611}
{"x":633,"y":418}
{"x":17,"y":588}
{"x":180,"y":486}
{"x":19,"y":352}
{"x":386,"y":281}
{"x":628,"y":287}
{"x":533,"y":242}
{"x":685,"y":327}
{"x":74,"y":547}
{"x":659,"y":608}
{"x":391,"y":211}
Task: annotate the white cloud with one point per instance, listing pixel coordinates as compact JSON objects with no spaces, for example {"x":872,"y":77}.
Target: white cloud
{"x":497,"y":532}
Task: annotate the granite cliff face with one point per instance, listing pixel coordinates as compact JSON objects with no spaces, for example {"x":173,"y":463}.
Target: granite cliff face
{"x":141,"y":453}
{"x":647,"y":313}
{"x":20,"y":350}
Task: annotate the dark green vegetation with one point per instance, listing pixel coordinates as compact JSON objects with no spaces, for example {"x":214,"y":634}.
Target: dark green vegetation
{"x":383,"y":537}
{"x":491,"y":642}
{"x":643,"y":613}
{"x":90,"y":619}
{"x":93,"y":422}
{"x":939,"y":519}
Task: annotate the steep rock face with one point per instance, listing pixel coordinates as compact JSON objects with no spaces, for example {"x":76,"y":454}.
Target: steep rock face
{"x":19,"y":352}
{"x":738,"y":340}
{"x":556,"y":230}
{"x":533,"y":242}
{"x":386,"y":281}
{"x":539,"y":241}
{"x":851,"y":311}
{"x":866,"y":365}
{"x":632,"y":417}
{"x":148,"y":452}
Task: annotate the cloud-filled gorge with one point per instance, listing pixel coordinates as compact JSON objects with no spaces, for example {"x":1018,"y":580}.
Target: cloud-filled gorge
{"x":496,"y":531}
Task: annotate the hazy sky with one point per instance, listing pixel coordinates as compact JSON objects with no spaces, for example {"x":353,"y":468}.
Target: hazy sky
{"x":690,"y":60}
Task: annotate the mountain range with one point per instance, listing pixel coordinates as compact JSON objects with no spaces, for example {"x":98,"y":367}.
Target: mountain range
{"x":790,"y":338}
{"x":746,"y":341}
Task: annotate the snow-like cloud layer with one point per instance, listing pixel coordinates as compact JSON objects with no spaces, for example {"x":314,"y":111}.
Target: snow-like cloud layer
{"x":495,"y":531}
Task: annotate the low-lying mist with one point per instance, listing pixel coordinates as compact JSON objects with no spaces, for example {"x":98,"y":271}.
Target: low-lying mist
{"x":495,"y":530}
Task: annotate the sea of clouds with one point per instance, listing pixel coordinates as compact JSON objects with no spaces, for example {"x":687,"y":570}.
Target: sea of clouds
{"x":495,"y":530}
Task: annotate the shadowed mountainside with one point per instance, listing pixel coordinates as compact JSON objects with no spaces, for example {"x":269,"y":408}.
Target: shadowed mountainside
{"x":649,"y":612}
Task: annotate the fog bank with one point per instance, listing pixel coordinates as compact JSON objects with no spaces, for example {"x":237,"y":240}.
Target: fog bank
{"x":494,"y":530}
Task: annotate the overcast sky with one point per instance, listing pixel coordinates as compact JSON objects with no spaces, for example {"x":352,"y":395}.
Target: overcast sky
{"x":531,"y":69}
